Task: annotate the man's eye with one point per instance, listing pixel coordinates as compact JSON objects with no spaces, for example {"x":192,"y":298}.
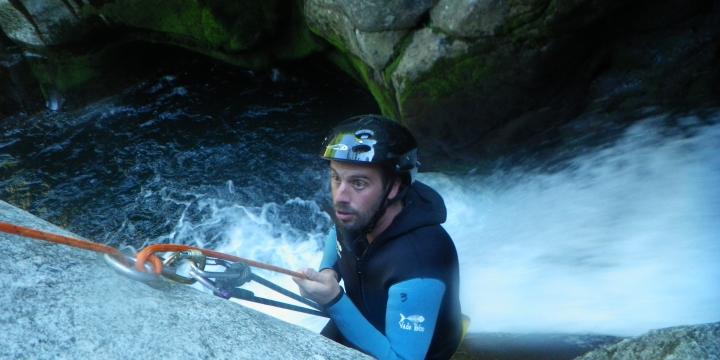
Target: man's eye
{"x":359,"y":184}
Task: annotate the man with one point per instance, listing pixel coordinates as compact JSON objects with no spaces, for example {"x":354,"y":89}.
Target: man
{"x":399,"y":266}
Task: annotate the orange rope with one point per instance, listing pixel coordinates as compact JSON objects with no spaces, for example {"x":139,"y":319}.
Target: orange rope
{"x":143,"y":256}
{"x":41,"y":235}
{"x":147,"y":254}
{"x":77,"y":243}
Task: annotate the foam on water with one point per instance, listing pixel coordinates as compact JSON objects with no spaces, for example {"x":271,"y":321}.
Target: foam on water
{"x":288,"y":235}
{"x":626,"y":239}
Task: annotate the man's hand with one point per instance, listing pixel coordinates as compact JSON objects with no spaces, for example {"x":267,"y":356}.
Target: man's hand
{"x":321,"y":287}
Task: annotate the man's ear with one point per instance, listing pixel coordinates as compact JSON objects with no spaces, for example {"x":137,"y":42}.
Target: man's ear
{"x":395,"y":188}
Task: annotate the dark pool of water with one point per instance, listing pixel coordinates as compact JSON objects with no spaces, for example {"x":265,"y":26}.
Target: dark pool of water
{"x":122,"y":169}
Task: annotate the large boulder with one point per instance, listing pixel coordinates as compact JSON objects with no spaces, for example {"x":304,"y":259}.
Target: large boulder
{"x":62,"y":302}
{"x":470,"y":77}
{"x":74,"y":43}
{"x":42,"y":23}
{"x":382,"y":15}
{"x":698,"y":342}
{"x":224,"y":27}
{"x":375,"y":47}
{"x":473,"y":18}
{"x":478,"y":77}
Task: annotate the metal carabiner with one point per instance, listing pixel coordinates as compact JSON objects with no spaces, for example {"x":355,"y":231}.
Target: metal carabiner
{"x":195,"y":258}
{"x":129,"y":271}
{"x":235,"y":275}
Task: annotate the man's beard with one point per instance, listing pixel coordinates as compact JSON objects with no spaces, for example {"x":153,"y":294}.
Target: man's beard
{"x":361,"y":219}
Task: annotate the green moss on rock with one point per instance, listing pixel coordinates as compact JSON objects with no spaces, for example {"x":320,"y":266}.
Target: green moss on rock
{"x":361,"y":72}
{"x":229,"y":26}
{"x":64,"y":72}
{"x":250,"y":34}
{"x":382,"y":94}
{"x":449,"y":77}
{"x":296,"y":41}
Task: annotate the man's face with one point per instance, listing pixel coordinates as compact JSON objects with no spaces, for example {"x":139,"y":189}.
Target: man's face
{"x":356,"y":193}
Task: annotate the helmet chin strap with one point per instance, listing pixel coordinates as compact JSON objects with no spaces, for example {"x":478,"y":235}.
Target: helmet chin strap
{"x":384,"y":205}
{"x":358,"y":239}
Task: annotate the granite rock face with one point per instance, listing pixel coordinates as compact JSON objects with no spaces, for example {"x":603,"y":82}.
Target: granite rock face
{"x":375,"y":48}
{"x":383,"y":15}
{"x":697,"y":342}
{"x":470,"y":77}
{"x":471,"y":18}
{"x":190,"y":23}
{"x":41,"y":23}
{"x":62,"y":302}
{"x":478,"y":77}
{"x":81,"y":48}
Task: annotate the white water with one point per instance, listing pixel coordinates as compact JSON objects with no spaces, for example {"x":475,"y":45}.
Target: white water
{"x":625,"y":240}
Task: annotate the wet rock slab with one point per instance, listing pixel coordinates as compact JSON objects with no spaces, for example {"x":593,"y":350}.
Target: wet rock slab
{"x":696,"y":342}
{"x":61,"y":302}
{"x":518,"y":346}
{"x":692,"y":342}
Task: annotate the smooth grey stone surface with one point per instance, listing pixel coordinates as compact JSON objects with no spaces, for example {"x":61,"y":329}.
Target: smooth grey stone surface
{"x":426,"y":48}
{"x":65,"y":303}
{"x":470,"y":18}
{"x":376,"y":48}
{"x":50,"y":22}
{"x":695,"y":342}
{"x":383,"y":15}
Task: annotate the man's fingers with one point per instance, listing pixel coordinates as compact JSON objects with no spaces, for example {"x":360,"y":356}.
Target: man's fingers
{"x":311,"y":274}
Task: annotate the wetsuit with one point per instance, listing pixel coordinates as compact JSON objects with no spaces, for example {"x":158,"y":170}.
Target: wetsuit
{"x":401,"y":291}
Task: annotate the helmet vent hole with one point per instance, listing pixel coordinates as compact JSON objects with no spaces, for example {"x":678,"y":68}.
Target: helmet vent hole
{"x":364,"y":134}
{"x":361,"y":148}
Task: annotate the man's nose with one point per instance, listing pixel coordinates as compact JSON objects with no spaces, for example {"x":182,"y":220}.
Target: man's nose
{"x":342,"y":193}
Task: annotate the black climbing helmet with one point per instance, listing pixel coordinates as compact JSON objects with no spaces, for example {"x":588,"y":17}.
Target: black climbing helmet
{"x":373,"y":139}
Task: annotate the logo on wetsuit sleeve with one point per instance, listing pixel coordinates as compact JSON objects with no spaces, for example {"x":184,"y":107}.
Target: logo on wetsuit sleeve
{"x":412,"y":323}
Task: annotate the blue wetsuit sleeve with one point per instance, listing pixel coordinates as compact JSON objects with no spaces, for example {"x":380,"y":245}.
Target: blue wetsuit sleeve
{"x":330,"y":251}
{"x":412,"y":311}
